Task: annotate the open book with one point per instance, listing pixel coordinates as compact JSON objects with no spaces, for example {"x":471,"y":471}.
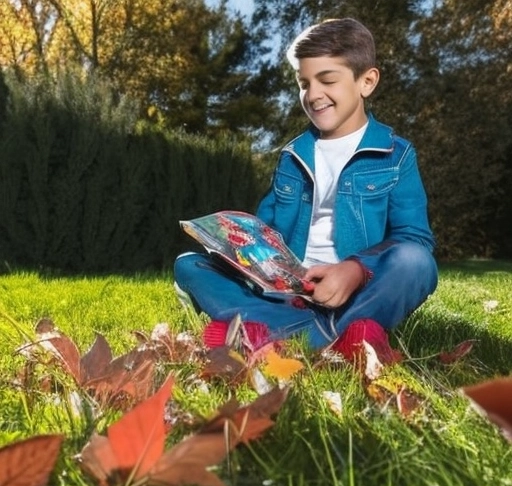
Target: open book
{"x":254,"y":249}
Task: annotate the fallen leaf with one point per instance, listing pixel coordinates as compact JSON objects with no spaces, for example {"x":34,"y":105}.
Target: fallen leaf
{"x":333,"y":400}
{"x":133,"y":444}
{"x":373,"y":366}
{"x":133,"y":447}
{"x":131,"y":374}
{"x":281,"y":368}
{"x":95,"y":360}
{"x":461,"y":350}
{"x":29,"y":462}
{"x":407,"y":401}
{"x":225,"y":362}
{"x":252,"y":420}
{"x":107,"y":380}
{"x":493,"y":399}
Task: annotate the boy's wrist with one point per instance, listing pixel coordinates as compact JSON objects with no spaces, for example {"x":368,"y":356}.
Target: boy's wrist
{"x":366,"y":274}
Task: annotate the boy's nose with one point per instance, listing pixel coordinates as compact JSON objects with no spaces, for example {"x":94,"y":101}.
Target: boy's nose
{"x":314,"y":92}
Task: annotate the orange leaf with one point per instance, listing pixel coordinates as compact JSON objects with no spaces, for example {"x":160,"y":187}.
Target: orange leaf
{"x":493,"y":398}
{"x":29,"y":462}
{"x":138,"y":438}
{"x":133,"y":444}
{"x":281,"y":368}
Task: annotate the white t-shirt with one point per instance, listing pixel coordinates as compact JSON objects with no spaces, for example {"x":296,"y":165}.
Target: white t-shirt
{"x":331,"y":156}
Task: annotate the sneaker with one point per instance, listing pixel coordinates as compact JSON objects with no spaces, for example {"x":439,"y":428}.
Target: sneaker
{"x":350,"y":343}
{"x":184,"y":298}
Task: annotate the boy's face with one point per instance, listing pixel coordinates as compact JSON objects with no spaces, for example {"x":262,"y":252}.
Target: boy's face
{"x":332,"y":99}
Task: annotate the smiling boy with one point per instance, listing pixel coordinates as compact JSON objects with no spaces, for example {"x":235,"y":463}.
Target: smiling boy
{"x":348,"y":199}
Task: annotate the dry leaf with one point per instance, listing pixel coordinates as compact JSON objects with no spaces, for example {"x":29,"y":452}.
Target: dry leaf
{"x":407,"y":401}
{"x":29,"y":462}
{"x":250,"y":421}
{"x":493,"y":399}
{"x":133,"y":444}
{"x":225,"y":362}
{"x":333,"y":400}
{"x":373,"y":366}
{"x":107,"y":380}
{"x":461,"y":350}
{"x":281,"y":368}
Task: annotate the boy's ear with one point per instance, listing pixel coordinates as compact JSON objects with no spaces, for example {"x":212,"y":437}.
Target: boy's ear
{"x":369,"y":81}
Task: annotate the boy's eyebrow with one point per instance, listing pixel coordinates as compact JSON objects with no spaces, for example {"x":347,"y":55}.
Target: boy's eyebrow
{"x":321,"y":73}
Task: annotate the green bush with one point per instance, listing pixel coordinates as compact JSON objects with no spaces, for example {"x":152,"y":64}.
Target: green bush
{"x":84,"y":186}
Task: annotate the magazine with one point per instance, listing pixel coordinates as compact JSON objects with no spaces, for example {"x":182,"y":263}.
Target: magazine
{"x":254,"y":249}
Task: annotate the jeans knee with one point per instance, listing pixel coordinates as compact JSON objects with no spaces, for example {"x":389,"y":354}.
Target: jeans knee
{"x":184,"y":265}
{"x":410,"y":258}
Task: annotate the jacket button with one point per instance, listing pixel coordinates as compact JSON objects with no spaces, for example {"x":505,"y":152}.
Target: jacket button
{"x":370,"y":187}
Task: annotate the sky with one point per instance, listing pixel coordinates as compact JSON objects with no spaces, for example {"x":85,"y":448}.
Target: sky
{"x":245,"y":7}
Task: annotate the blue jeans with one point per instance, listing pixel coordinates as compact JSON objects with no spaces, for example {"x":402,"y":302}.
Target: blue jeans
{"x":404,"y":275}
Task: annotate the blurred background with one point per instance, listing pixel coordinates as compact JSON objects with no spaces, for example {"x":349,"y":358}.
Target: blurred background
{"x":120,"y":118}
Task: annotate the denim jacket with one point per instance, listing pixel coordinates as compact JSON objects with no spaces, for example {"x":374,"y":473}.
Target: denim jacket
{"x":380,"y":196}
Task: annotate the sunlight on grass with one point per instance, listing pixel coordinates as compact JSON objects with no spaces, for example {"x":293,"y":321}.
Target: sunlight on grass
{"x":367,"y":442}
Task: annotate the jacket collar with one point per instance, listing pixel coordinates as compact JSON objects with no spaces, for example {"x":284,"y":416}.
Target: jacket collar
{"x":377,"y":137}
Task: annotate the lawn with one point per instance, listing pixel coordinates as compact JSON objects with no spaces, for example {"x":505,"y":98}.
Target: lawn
{"x":431,"y":437}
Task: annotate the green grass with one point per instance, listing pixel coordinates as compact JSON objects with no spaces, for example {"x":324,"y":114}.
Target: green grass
{"x":444,"y":443}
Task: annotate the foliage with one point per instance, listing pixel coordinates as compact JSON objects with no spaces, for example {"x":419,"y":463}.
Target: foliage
{"x":367,"y":440}
{"x":445,"y":84}
{"x":183,"y":61}
{"x":86,"y":187}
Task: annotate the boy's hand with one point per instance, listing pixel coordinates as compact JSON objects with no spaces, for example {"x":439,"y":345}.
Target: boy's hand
{"x":335,"y":283}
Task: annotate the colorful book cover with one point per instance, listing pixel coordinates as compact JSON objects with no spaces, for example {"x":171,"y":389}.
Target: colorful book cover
{"x":252,"y":247}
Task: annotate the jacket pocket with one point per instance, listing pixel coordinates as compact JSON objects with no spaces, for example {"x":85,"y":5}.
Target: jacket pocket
{"x":375,"y":183}
{"x":286,"y":188}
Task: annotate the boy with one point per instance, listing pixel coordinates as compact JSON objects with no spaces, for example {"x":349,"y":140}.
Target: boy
{"x":349,"y":201}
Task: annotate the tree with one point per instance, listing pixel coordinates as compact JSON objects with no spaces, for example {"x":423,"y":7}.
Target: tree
{"x":184,"y":62}
{"x":462,"y":124}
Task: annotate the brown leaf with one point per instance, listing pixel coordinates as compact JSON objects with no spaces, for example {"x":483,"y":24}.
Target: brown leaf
{"x":252,"y":420}
{"x":407,"y":401}
{"x":95,"y":360}
{"x":224,"y":362}
{"x":29,"y":462}
{"x":61,"y":347}
{"x":131,"y":373}
{"x":187,"y":461}
{"x":493,"y":399}
{"x":461,"y":350}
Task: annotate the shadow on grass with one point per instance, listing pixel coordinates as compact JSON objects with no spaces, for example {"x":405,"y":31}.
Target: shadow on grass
{"x":476,"y":266}
{"x":491,"y":354}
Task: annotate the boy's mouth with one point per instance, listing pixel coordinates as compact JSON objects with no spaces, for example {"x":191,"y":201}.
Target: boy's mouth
{"x":321,"y":107}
